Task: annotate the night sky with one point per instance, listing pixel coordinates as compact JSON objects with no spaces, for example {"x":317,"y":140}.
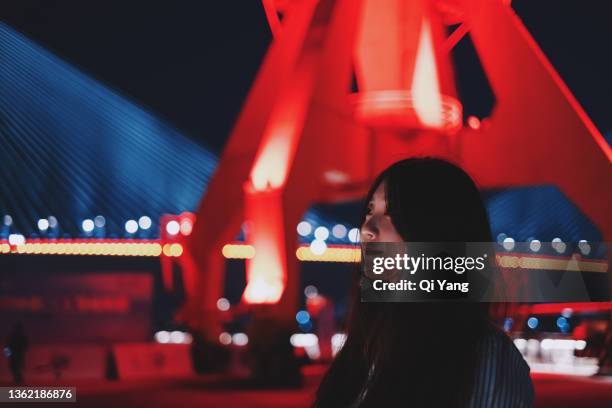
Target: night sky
{"x":191,"y":62}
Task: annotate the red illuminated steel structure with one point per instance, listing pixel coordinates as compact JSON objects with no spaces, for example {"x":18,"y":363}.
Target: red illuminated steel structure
{"x":303,"y":138}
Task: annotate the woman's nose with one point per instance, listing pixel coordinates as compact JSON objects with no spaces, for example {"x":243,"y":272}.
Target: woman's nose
{"x":368,"y":232}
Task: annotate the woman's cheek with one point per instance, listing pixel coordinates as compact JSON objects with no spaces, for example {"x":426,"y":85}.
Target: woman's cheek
{"x":388,"y":232}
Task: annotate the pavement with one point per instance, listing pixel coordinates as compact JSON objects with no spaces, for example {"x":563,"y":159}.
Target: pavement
{"x":552,"y":390}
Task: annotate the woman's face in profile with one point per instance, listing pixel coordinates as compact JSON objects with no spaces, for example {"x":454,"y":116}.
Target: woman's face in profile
{"x":377,"y":226}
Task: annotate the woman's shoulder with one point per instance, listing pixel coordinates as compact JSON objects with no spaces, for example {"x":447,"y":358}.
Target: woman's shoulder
{"x":493,"y":335}
{"x":497,"y":344}
{"x":497,"y":348}
{"x":502,"y":375}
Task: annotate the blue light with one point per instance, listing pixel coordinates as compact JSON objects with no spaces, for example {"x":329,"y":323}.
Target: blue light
{"x":302,"y":317}
{"x":508,"y":323}
{"x":562,"y":321}
{"x":563,"y":324}
{"x":532,"y":322}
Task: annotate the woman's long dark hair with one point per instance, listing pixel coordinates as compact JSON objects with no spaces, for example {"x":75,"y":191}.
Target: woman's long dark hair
{"x":423,"y":354}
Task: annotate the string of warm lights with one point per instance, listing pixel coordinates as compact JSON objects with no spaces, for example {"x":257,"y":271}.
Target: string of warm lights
{"x":332,"y":253}
{"x":352,"y":254}
{"x":238,"y":251}
{"x":143,"y":248}
{"x":552,"y":264}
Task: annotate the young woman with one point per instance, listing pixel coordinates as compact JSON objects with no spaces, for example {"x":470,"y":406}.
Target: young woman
{"x":419,"y":354}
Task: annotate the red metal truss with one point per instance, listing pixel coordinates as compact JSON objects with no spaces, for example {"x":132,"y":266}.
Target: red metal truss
{"x":303,"y":138}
